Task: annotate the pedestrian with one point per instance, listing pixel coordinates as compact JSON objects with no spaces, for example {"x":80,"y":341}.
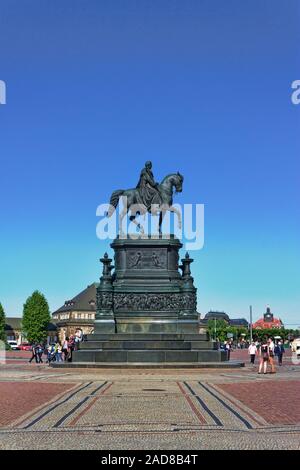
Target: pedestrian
{"x":51,"y":353}
{"x":263,"y":356}
{"x":58,"y":354}
{"x":33,"y":354}
{"x":65,"y":348}
{"x":279,"y":351}
{"x":71,"y":346}
{"x":78,"y":338}
{"x":39,"y":353}
{"x":271,"y":347}
{"x":228,"y":349}
{"x":252,"y":352}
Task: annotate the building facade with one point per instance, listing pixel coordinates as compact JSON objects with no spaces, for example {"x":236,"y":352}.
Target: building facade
{"x":268,"y":321}
{"x":215,"y":315}
{"x":79,"y":312}
{"x":13,"y":330}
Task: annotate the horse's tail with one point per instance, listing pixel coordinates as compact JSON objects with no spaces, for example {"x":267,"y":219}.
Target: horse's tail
{"x":114,"y":200}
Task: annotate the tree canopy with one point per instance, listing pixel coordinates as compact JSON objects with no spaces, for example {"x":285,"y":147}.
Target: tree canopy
{"x":219,"y":329}
{"x":36,"y":317}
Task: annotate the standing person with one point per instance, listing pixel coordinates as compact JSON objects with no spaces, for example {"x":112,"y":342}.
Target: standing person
{"x":51,"y":353}
{"x":33,"y":354}
{"x":271,"y":347}
{"x":78,"y":338}
{"x":48,"y":348}
{"x":39,"y":353}
{"x":228,"y":349}
{"x":279,"y":351}
{"x":252,"y":352}
{"x":58,"y":354}
{"x":71,"y":346}
{"x":65,"y":348}
{"x":263,"y":356}
{"x":36,"y":350}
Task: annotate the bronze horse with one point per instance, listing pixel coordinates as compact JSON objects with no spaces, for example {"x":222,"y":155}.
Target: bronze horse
{"x":161,"y":202}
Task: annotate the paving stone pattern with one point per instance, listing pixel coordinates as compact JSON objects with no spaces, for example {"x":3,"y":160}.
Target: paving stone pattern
{"x":43,"y":408}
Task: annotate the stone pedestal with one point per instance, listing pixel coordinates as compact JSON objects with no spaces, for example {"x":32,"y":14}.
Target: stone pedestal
{"x":146,"y":293}
{"x":146,"y":311}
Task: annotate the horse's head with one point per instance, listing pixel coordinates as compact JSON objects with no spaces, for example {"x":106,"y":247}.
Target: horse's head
{"x":178,"y":180}
{"x":173,"y":180}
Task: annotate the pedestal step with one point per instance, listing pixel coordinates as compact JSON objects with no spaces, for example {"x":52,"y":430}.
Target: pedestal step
{"x":144,"y":356}
{"x":148,"y":345}
{"x":149,"y":365}
{"x":147,"y":337}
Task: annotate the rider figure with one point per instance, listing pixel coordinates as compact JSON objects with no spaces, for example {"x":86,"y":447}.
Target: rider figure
{"x":147,"y":186}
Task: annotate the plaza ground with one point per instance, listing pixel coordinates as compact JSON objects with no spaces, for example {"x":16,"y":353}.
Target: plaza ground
{"x":45,"y":408}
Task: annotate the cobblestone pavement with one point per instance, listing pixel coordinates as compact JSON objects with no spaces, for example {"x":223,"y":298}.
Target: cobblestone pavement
{"x":42,"y":408}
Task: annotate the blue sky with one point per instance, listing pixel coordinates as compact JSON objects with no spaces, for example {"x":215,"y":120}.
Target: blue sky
{"x":95,"y":88}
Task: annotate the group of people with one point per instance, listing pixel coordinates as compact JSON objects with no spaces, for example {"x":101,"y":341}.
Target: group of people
{"x":266,"y":351}
{"x":58,"y":352}
{"x":37,"y":353}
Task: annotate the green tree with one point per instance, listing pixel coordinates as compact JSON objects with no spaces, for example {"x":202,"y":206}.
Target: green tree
{"x":217,"y":329}
{"x":260,"y":334}
{"x":36,"y":317}
{"x":220,"y":329}
{"x":2,"y":324}
{"x":241,"y":330}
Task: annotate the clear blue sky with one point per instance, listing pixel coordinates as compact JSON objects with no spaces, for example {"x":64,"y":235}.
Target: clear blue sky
{"x":95,"y":88}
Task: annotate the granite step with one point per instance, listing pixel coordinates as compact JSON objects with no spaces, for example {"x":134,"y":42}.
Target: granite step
{"x":146,"y":337}
{"x":150,"y":344}
{"x":149,"y":365}
{"x":144,"y":356}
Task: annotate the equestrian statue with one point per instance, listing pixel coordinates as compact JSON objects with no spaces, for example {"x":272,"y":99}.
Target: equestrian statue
{"x":148,"y":196}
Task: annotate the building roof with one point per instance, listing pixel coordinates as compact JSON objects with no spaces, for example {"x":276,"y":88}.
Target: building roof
{"x":268,"y":321}
{"x":261,"y":323}
{"x":84,"y":301}
{"x":15,"y":323}
{"x":239,"y":322}
{"x":211,"y":315}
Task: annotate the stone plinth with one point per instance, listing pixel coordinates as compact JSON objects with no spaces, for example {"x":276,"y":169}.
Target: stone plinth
{"x":146,"y":293}
{"x":147,"y":311}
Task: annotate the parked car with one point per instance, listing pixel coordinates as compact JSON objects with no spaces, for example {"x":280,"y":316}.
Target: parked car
{"x":25,"y":347}
{"x":13,"y":344}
